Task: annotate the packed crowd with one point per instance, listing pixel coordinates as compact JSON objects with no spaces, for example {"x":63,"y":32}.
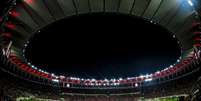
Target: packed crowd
{"x":12,"y":87}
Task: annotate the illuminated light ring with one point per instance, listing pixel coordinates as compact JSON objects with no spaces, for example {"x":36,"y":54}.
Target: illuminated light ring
{"x":125,"y":81}
{"x":135,"y":80}
{"x":132,"y":80}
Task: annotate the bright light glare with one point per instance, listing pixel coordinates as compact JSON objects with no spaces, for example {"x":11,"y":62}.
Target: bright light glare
{"x":55,"y":80}
{"x":68,"y":85}
{"x":190,"y":2}
{"x":150,"y":79}
{"x":178,"y":60}
{"x":136,"y":85}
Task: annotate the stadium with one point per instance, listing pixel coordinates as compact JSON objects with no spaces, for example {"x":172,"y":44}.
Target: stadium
{"x":100,"y":50}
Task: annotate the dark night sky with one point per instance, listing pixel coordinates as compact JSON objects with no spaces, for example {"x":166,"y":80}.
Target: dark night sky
{"x":102,"y":45}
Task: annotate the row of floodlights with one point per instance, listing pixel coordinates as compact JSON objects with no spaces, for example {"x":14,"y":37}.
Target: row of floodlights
{"x":148,"y":77}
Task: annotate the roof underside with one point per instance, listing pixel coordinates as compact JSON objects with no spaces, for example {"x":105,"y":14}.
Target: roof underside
{"x":32,"y":15}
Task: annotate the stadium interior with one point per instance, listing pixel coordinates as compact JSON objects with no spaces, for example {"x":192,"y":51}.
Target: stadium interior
{"x":100,"y":50}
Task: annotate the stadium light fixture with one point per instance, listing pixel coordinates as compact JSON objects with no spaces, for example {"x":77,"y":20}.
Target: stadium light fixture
{"x":147,"y":75}
{"x":62,"y":77}
{"x":55,"y":80}
{"x":106,"y":80}
{"x":190,"y":2}
{"x":53,"y":74}
{"x":93,"y":79}
{"x":141,"y":76}
{"x":120,"y":79}
{"x":158,"y":72}
{"x":56,"y":77}
{"x":136,"y":85}
{"x":68,"y":85}
{"x":149,"y":79}
{"x":178,"y":60}
{"x":171,"y":66}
